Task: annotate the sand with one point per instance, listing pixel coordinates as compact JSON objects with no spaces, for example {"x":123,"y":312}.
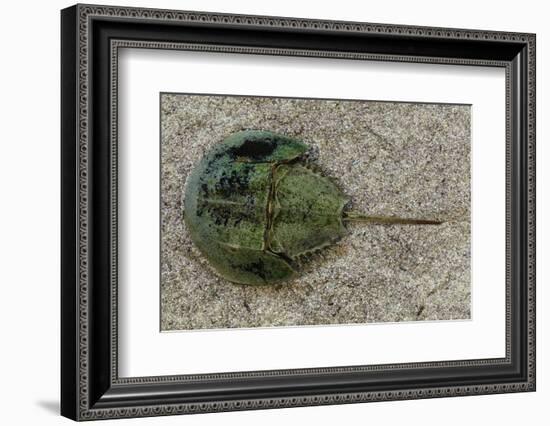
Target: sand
{"x":393,"y":159}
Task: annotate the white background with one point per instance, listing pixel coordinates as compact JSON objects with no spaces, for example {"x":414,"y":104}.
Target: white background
{"x":29,"y":225}
{"x":143,"y":351}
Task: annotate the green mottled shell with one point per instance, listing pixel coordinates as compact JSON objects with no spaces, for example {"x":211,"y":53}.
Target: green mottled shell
{"x":253,"y":208}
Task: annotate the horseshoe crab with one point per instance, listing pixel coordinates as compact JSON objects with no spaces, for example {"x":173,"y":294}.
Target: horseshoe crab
{"x":255,"y":208}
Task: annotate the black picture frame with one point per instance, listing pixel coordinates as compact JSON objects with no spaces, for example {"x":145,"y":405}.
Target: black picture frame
{"x":90,"y":386}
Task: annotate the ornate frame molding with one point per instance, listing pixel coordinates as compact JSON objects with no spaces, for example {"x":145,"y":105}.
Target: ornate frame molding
{"x":78,"y":338}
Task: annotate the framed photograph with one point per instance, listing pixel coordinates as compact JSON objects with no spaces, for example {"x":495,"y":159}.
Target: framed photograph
{"x":263,"y":212}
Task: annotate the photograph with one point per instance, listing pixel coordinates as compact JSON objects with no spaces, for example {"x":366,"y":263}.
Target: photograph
{"x":279,"y":212}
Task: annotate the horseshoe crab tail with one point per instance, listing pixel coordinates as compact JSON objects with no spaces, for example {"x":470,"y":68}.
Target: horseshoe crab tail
{"x":352,"y":216}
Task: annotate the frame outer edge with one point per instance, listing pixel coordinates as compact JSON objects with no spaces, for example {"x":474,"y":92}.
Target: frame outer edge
{"x":531,"y":200}
{"x":68,"y":181}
